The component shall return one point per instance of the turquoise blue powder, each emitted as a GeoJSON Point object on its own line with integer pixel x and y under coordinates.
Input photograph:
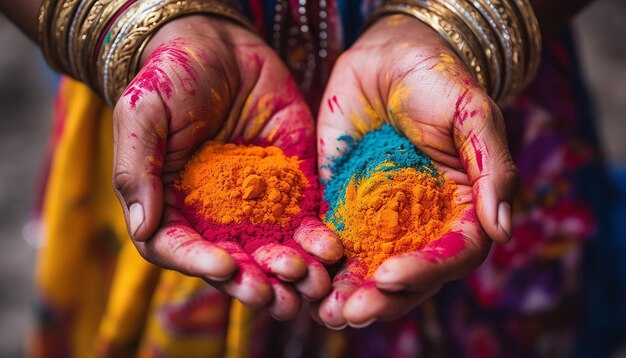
{"type": "Point", "coordinates": [379, 151]}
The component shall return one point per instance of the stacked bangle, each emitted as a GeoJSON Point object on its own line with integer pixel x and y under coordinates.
{"type": "Point", "coordinates": [498, 40]}
{"type": "Point", "coordinates": [100, 41]}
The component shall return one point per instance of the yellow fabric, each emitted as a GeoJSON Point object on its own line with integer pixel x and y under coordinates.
{"type": "Point", "coordinates": [105, 298]}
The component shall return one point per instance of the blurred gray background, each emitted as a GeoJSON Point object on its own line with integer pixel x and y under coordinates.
{"type": "Point", "coordinates": [26, 99]}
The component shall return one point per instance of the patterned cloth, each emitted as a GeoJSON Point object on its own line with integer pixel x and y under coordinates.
{"type": "Point", "coordinates": [98, 297]}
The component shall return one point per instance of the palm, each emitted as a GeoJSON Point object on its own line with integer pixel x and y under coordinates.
{"type": "Point", "coordinates": [420, 89]}
{"type": "Point", "coordinates": [245, 94]}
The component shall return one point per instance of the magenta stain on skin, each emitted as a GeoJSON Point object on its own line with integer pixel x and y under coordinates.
{"type": "Point", "coordinates": [338, 105]}
{"type": "Point", "coordinates": [175, 233]}
{"type": "Point", "coordinates": [330, 106]}
{"type": "Point", "coordinates": [470, 216]}
{"type": "Point", "coordinates": [460, 111]}
{"type": "Point", "coordinates": [448, 246]}
{"type": "Point", "coordinates": [153, 77]}
{"type": "Point", "coordinates": [477, 151]}
{"type": "Point", "coordinates": [133, 135]}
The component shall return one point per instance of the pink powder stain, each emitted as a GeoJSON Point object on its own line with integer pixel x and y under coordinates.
{"type": "Point", "coordinates": [338, 105]}
{"type": "Point", "coordinates": [330, 106]}
{"type": "Point", "coordinates": [460, 110]}
{"type": "Point", "coordinates": [448, 246]}
{"type": "Point", "coordinates": [153, 77]}
{"type": "Point", "coordinates": [477, 152]}
{"type": "Point", "coordinates": [470, 216]}
{"type": "Point", "coordinates": [176, 233]}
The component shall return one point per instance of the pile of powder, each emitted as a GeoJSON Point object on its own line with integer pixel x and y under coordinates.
{"type": "Point", "coordinates": [386, 198]}
{"type": "Point", "coordinates": [247, 193]}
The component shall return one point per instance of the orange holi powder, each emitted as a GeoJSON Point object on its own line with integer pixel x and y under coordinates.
{"type": "Point", "coordinates": [387, 198]}
{"type": "Point", "coordinates": [231, 184]}
{"type": "Point", "coordinates": [394, 212]}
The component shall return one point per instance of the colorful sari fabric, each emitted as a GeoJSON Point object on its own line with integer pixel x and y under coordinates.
{"type": "Point", "coordinates": [98, 297]}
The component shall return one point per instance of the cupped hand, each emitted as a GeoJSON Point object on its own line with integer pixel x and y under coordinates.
{"type": "Point", "coordinates": [206, 78]}
{"type": "Point", "coordinates": [403, 73]}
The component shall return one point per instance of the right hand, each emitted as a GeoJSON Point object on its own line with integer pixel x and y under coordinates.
{"type": "Point", "coordinates": [207, 78]}
{"type": "Point", "coordinates": [418, 85]}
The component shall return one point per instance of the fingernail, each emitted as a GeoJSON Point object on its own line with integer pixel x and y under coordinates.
{"type": "Point", "coordinates": [136, 217]}
{"type": "Point", "coordinates": [504, 218]}
{"type": "Point", "coordinates": [390, 286]}
{"type": "Point", "coordinates": [219, 279]}
{"type": "Point", "coordinates": [337, 328]}
{"type": "Point", "coordinates": [362, 325]}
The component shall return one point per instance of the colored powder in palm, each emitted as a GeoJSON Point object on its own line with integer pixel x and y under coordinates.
{"type": "Point", "coordinates": [386, 198]}
{"type": "Point", "coordinates": [248, 193]}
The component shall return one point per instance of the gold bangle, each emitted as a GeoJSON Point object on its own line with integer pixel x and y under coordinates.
{"type": "Point", "coordinates": [44, 25]}
{"type": "Point", "coordinates": [109, 38]}
{"type": "Point", "coordinates": [488, 43]}
{"type": "Point", "coordinates": [502, 19]}
{"type": "Point", "coordinates": [532, 36]}
{"type": "Point", "coordinates": [76, 40]}
{"type": "Point", "coordinates": [62, 20]}
{"type": "Point", "coordinates": [498, 40]}
{"type": "Point", "coordinates": [97, 22]}
{"type": "Point", "coordinates": [117, 66]}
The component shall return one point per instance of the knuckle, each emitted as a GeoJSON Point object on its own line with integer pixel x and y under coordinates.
{"type": "Point", "coordinates": [510, 173]}
{"type": "Point", "coordinates": [123, 181]}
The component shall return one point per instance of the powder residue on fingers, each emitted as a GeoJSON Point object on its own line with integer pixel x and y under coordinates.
{"type": "Point", "coordinates": [386, 198]}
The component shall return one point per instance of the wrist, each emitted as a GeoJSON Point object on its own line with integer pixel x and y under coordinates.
{"type": "Point", "coordinates": [218, 30]}
{"type": "Point", "coordinates": [401, 30]}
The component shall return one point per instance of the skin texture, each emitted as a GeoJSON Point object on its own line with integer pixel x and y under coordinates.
{"type": "Point", "coordinates": [418, 85]}
{"type": "Point", "coordinates": [206, 78]}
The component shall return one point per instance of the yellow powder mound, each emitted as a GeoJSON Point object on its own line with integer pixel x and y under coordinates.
{"type": "Point", "coordinates": [235, 183]}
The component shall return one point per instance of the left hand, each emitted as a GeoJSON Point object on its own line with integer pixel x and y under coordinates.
{"type": "Point", "coordinates": [402, 72]}
{"type": "Point", "coordinates": [207, 78]}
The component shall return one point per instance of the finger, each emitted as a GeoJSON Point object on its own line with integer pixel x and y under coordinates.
{"type": "Point", "coordinates": [347, 280]}
{"type": "Point", "coordinates": [316, 284]}
{"type": "Point", "coordinates": [139, 146]}
{"type": "Point", "coordinates": [368, 304]}
{"type": "Point", "coordinates": [250, 285]}
{"type": "Point", "coordinates": [280, 260]}
{"type": "Point", "coordinates": [178, 247]}
{"type": "Point", "coordinates": [318, 240]}
{"type": "Point", "coordinates": [449, 258]}
{"type": "Point", "coordinates": [485, 155]}
{"type": "Point", "coordinates": [286, 303]}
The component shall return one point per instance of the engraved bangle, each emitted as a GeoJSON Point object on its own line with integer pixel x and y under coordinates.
{"type": "Point", "coordinates": [95, 35]}
{"type": "Point", "coordinates": [532, 37]}
{"type": "Point", "coordinates": [501, 18]}
{"type": "Point", "coordinates": [487, 39]}
{"type": "Point", "coordinates": [44, 25]}
{"type": "Point", "coordinates": [117, 67]}
{"type": "Point", "coordinates": [76, 42]}
{"type": "Point", "coordinates": [62, 21]}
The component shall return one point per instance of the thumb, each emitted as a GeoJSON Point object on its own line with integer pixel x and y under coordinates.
{"type": "Point", "coordinates": [140, 134]}
{"type": "Point", "coordinates": [480, 136]}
